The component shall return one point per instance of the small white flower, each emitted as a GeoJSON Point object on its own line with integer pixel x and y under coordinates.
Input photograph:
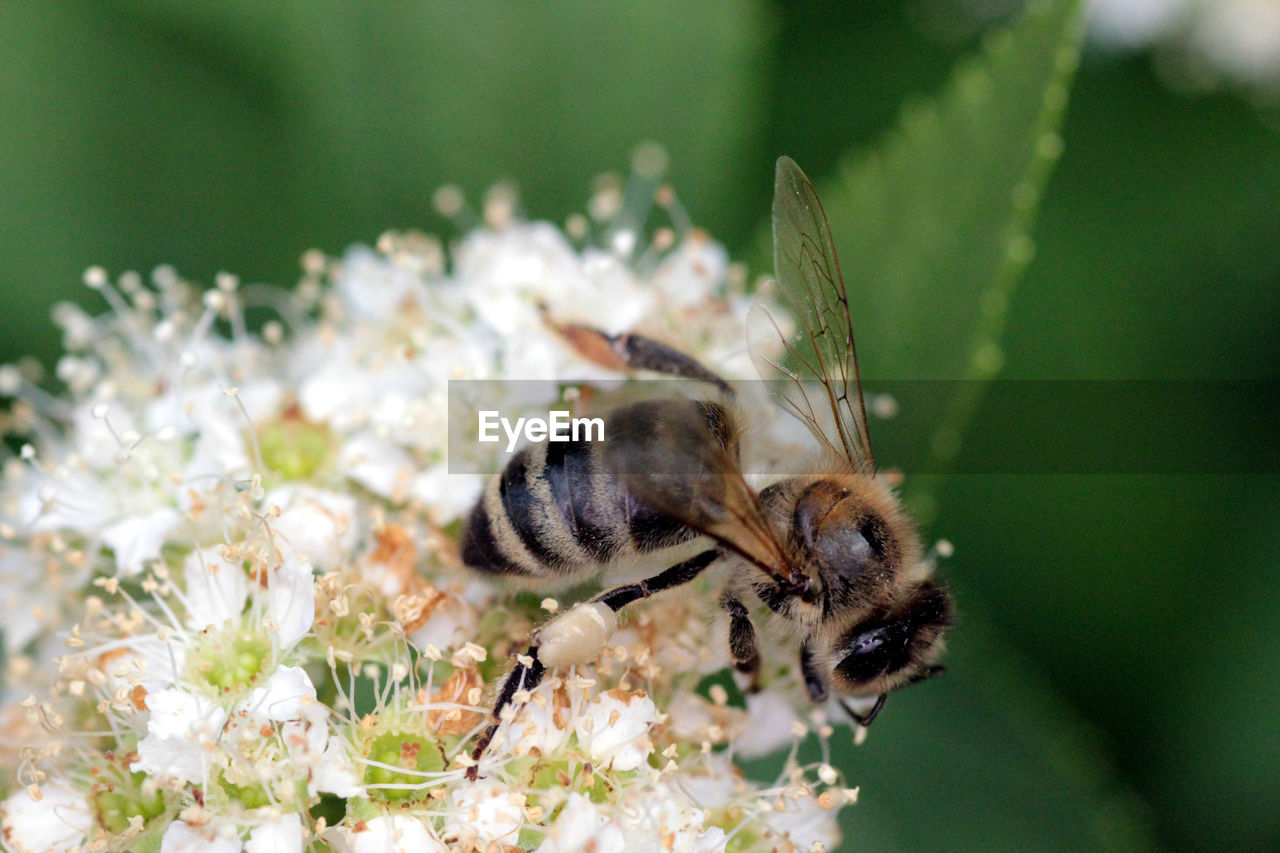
{"type": "Point", "coordinates": [74, 500]}
{"type": "Point", "coordinates": [318, 525]}
{"type": "Point", "coordinates": [617, 301]}
{"type": "Point", "coordinates": [147, 662]}
{"type": "Point", "coordinates": [281, 698]}
{"type": "Point", "coordinates": [711, 786]}
{"type": "Point", "coordinates": [215, 588]}
{"type": "Point", "coordinates": [394, 834]}
{"type": "Point", "coordinates": [485, 811]}
{"type": "Point", "coordinates": [1135, 22]}
{"type": "Point", "coordinates": [581, 826]}
{"type": "Point", "coordinates": [507, 272]}
{"type": "Point", "coordinates": [664, 820]}
{"type": "Point", "coordinates": [448, 627]}
{"type": "Point", "coordinates": [181, 837]}
{"type": "Point", "coordinates": [1211, 40]}
{"type": "Point", "coordinates": [540, 728]}
{"type": "Point", "coordinates": [331, 390]}
{"type": "Point", "coordinates": [690, 717]}
{"type": "Point", "coordinates": [614, 729]}
{"type": "Point", "coordinates": [379, 465]}
{"type": "Point", "coordinates": [97, 425]}
{"type": "Point", "coordinates": [181, 734]}
{"type": "Point", "coordinates": [137, 539]}
{"type": "Point", "coordinates": [217, 424]}
{"type": "Point", "coordinates": [450, 495]}
{"type": "Point", "coordinates": [291, 600]}
{"type": "Point", "coordinates": [58, 821]}
{"type": "Point", "coordinates": [373, 288]}
{"type": "Point", "coordinates": [696, 258]}
{"type": "Point", "coordinates": [804, 821]}
{"type": "Point", "coordinates": [320, 754]}
{"type": "Point", "coordinates": [283, 835]}
{"type": "Point", "coordinates": [25, 610]}
{"type": "Point", "coordinates": [769, 725]}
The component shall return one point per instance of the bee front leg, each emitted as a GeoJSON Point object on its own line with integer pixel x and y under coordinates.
{"type": "Point", "coordinates": [869, 717]}
{"type": "Point", "coordinates": [813, 679]}
{"type": "Point", "coordinates": [629, 351]}
{"type": "Point", "coordinates": [742, 641]}
{"type": "Point", "coordinates": [818, 690]}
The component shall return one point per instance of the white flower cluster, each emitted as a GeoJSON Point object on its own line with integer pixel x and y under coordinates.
{"type": "Point", "coordinates": [1202, 42]}
{"type": "Point", "coordinates": [234, 613]}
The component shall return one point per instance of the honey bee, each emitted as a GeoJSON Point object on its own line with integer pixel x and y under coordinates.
{"type": "Point", "coordinates": [831, 554]}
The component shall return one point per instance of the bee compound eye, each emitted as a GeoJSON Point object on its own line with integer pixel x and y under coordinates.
{"type": "Point", "coordinates": [844, 550]}
{"type": "Point", "coordinates": [870, 653]}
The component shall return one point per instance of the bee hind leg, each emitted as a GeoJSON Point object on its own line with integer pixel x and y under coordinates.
{"type": "Point", "coordinates": [679, 574]}
{"type": "Point", "coordinates": [523, 677]}
{"type": "Point", "coordinates": [629, 351]}
{"type": "Point", "coordinates": [527, 676]}
{"type": "Point", "coordinates": [743, 646]}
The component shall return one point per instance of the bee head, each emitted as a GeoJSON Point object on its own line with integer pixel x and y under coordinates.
{"type": "Point", "coordinates": [856, 538]}
{"type": "Point", "coordinates": [894, 648]}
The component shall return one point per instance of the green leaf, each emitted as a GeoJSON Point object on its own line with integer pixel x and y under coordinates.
{"type": "Point", "coordinates": [933, 230]}
{"type": "Point", "coordinates": [932, 225]}
{"type": "Point", "coordinates": [934, 222]}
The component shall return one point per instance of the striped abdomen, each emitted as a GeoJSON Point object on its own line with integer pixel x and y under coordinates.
{"type": "Point", "coordinates": [559, 510]}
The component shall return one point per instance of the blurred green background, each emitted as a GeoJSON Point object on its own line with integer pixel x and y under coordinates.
{"type": "Point", "coordinates": [1113, 681]}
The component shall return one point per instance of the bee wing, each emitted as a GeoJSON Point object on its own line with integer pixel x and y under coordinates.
{"type": "Point", "coordinates": [814, 375]}
{"type": "Point", "coordinates": [677, 458]}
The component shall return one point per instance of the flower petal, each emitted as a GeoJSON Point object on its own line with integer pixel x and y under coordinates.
{"type": "Point", "coordinates": [283, 835]}
{"type": "Point", "coordinates": [181, 837]}
{"type": "Point", "coordinates": [180, 733]}
{"type": "Point", "coordinates": [291, 600]}
{"type": "Point", "coordinates": [484, 812]}
{"type": "Point", "coordinates": [56, 822]}
{"type": "Point", "coordinates": [215, 588]}
{"type": "Point", "coordinates": [378, 465]}
{"type": "Point", "coordinates": [614, 729]}
{"type": "Point", "coordinates": [282, 696]}
{"type": "Point", "coordinates": [582, 826]}
{"type": "Point", "coordinates": [318, 525]}
{"type": "Point", "coordinates": [394, 834]}
{"type": "Point", "coordinates": [137, 539]}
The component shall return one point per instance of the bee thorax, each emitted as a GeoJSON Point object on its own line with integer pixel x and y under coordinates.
{"type": "Point", "coordinates": [577, 636]}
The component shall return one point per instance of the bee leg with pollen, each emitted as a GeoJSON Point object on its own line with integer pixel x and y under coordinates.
{"type": "Point", "coordinates": [679, 574]}
{"type": "Point", "coordinates": [742, 641]}
{"type": "Point", "coordinates": [577, 636]}
{"type": "Point", "coordinates": [629, 351]}
{"type": "Point", "coordinates": [525, 676]}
